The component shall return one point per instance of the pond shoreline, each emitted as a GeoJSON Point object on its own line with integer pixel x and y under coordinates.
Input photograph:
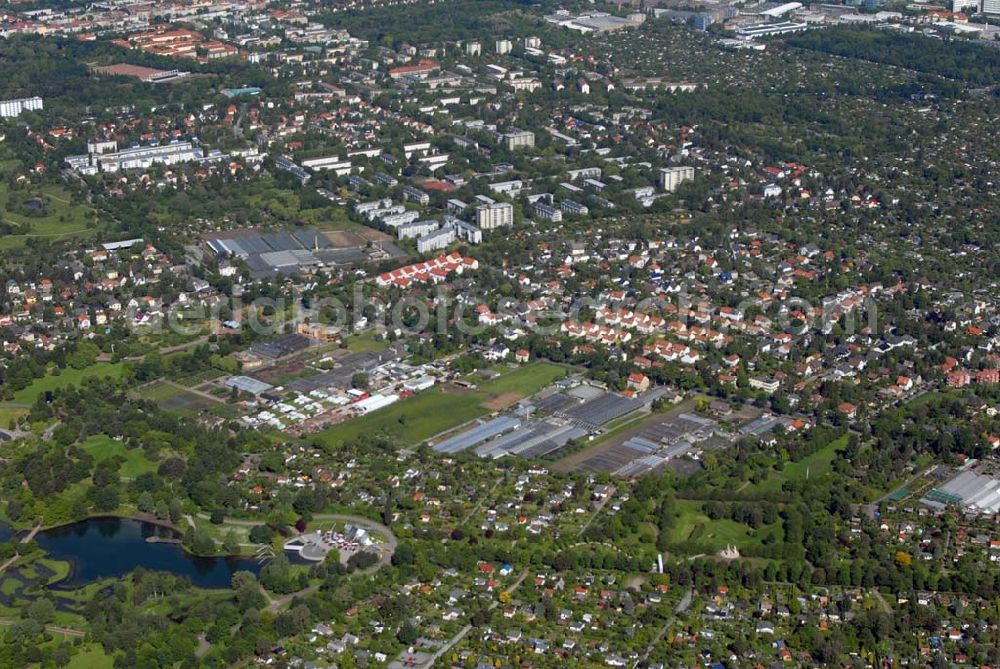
{"type": "Point", "coordinates": [112, 545]}
{"type": "Point", "coordinates": [18, 531]}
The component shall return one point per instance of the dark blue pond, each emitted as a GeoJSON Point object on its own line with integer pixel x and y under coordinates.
{"type": "Point", "coordinates": [99, 548]}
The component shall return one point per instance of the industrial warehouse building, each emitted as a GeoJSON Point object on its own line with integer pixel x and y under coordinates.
{"type": "Point", "coordinates": [978, 493]}
{"type": "Point", "coordinates": [246, 384]}
{"type": "Point", "coordinates": [302, 251]}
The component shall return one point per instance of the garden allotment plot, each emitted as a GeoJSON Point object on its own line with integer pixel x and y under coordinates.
{"type": "Point", "coordinates": [171, 398]}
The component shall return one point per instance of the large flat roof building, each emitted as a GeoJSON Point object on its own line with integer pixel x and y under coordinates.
{"type": "Point", "coordinates": [141, 157]}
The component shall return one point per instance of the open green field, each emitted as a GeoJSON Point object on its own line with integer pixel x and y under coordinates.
{"type": "Point", "coordinates": [91, 656]}
{"type": "Point", "coordinates": [9, 413]}
{"type": "Point", "coordinates": [62, 218]}
{"type": "Point", "coordinates": [101, 447]}
{"type": "Point", "coordinates": [66, 377]}
{"type": "Point", "coordinates": [364, 342]}
{"type": "Point", "coordinates": [157, 392]}
{"type": "Point", "coordinates": [693, 525]}
{"type": "Point", "coordinates": [443, 407]}
{"type": "Point", "coordinates": [524, 381]}
{"type": "Point", "coordinates": [815, 467]}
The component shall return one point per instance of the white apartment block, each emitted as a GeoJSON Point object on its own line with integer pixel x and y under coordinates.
{"type": "Point", "coordinates": [329, 163]}
{"type": "Point", "coordinates": [13, 108]}
{"type": "Point", "coordinates": [515, 139]}
{"type": "Point", "coordinates": [436, 240]}
{"type": "Point", "coordinates": [549, 213]}
{"type": "Point", "coordinates": [140, 158]}
{"type": "Point", "coordinates": [464, 231]}
{"type": "Point", "coordinates": [416, 229]}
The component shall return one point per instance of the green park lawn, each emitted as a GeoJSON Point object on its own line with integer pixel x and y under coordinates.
{"type": "Point", "coordinates": [101, 447]}
{"type": "Point", "coordinates": [441, 408]}
{"type": "Point", "coordinates": [693, 525]}
{"type": "Point", "coordinates": [364, 342]}
{"type": "Point", "coordinates": [66, 377]}
{"type": "Point", "coordinates": [62, 218]}
{"type": "Point", "coordinates": [92, 656]}
{"type": "Point", "coordinates": [9, 413]}
{"type": "Point", "coordinates": [158, 392]}
{"type": "Point", "coordinates": [815, 467]}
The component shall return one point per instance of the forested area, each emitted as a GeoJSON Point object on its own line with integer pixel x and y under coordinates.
{"type": "Point", "coordinates": [59, 70]}
{"type": "Point", "coordinates": [955, 59]}
{"type": "Point", "coordinates": [436, 22]}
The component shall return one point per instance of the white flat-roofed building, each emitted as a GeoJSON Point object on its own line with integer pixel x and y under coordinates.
{"type": "Point", "coordinates": [571, 207]}
{"type": "Point", "coordinates": [415, 195]}
{"type": "Point", "coordinates": [391, 210]}
{"type": "Point", "coordinates": [507, 187]}
{"type": "Point", "coordinates": [516, 139]}
{"type": "Point", "coordinates": [765, 29]}
{"type": "Point", "coordinates": [435, 241]}
{"type": "Point", "coordinates": [330, 163]}
{"type": "Point", "coordinates": [13, 108]}
{"type": "Point", "coordinates": [365, 207]}
{"type": "Point", "coordinates": [528, 84]}
{"type": "Point", "coordinates": [463, 230]}
{"type": "Point", "coordinates": [423, 148]}
{"type": "Point", "coordinates": [141, 158]}
{"type": "Point", "coordinates": [545, 211]}
{"type": "Point", "coordinates": [781, 10]}
{"type": "Point", "coordinates": [396, 220]}
{"type": "Point", "coordinates": [584, 173]}
{"type": "Point", "coordinates": [435, 161]}
{"type": "Point", "coordinates": [102, 146]}
{"type": "Point", "coordinates": [416, 229]}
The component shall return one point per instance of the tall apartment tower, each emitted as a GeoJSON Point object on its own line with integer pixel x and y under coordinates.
{"type": "Point", "coordinates": [496, 215]}
{"type": "Point", "coordinates": [672, 177]}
